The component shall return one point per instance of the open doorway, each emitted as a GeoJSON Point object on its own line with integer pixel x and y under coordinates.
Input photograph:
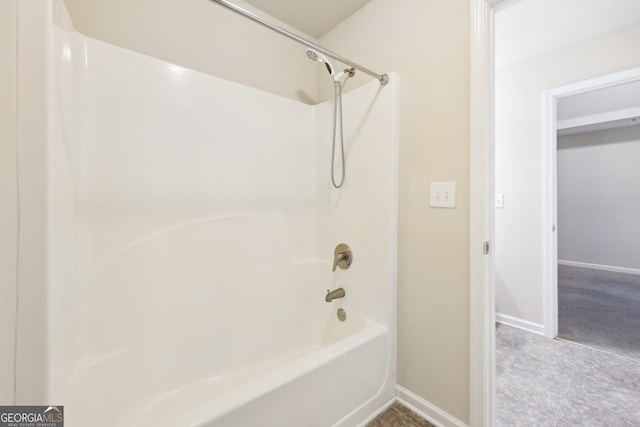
{"type": "Point", "coordinates": [595, 202]}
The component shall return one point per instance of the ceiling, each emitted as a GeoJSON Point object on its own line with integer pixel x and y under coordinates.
{"type": "Point", "coordinates": [531, 28]}
{"type": "Point", "coordinates": [312, 17]}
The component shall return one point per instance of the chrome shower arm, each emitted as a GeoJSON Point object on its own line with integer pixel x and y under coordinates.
{"type": "Point", "coordinates": [383, 78]}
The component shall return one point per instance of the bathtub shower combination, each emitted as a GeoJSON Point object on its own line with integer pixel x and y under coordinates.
{"type": "Point", "coordinates": [191, 233]}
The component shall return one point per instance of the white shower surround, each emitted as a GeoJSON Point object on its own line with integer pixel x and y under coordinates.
{"type": "Point", "coordinates": [191, 226]}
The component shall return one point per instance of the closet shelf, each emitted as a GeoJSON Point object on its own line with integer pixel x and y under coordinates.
{"type": "Point", "coordinates": [601, 121]}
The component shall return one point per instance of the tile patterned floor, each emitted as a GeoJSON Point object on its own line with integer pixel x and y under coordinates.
{"type": "Point", "coordinates": [545, 382]}
{"type": "Point", "coordinates": [399, 416]}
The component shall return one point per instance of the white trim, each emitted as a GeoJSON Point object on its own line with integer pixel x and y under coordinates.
{"type": "Point", "coordinates": [600, 267]}
{"type": "Point", "coordinates": [549, 190]}
{"type": "Point", "coordinates": [613, 79]}
{"type": "Point", "coordinates": [515, 322]}
{"type": "Point", "coordinates": [426, 409]}
{"type": "Point", "coordinates": [549, 217]}
{"type": "Point", "coordinates": [481, 226]}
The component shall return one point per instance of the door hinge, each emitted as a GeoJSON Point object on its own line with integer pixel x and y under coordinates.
{"type": "Point", "coordinates": [486, 248]}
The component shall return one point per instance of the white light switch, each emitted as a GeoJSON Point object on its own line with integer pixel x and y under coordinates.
{"type": "Point", "coordinates": [443, 195]}
{"type": "Point", "coordinates": [500, 201]}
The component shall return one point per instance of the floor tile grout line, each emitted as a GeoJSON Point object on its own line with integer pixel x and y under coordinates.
{"type": "Point", "coordinates": [566, 392]}
{"type": "Point", "coordinates": [514, 355]}
{"type": "Point", "coordinates": [587, 362]}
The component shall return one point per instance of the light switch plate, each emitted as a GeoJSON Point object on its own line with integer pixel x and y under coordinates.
{"type": "Point", "coordinates": [500, 201]}
{"type": "Point", "coordinates": [443, 195]}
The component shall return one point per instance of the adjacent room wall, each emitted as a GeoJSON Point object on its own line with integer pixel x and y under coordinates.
{"type": "Point", "coordinates": [519, 136]}
{"type": "Point", "coordinates": [8, 195]}
{"type": "Point", "coordinates": [599, 197]}
{"type": "Point", "coordinates": [203, 36]}
{"type": "Point", "coordinates": [427, 43]}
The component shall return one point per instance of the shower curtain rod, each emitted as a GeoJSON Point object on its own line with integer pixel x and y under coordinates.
{"type": "Point", "coordinates": [383, 78]}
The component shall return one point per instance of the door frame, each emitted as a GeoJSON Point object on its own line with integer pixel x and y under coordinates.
{"type": "Point", "coordinates": [550, 184]}
{"type": "Point", "coordinates": [481, 227]}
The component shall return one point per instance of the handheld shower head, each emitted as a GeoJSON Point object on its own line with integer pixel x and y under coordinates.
{"type": "Point", "coordinates": [317, 56]}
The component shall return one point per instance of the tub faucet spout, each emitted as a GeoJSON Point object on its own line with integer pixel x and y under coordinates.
{"type": "Point", "coordinates": [331, 295]}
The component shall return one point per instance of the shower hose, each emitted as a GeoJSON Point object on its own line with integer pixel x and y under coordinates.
{"type": "Point", "coordinates": [337, 102]}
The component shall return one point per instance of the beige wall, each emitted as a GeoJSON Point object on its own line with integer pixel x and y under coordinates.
{"type": "Point", "coordinates": [427, 43]}
{"type": "Point", "coordinates": [203, 36]}
{"type": "Point", "coordinates": [8, 198]}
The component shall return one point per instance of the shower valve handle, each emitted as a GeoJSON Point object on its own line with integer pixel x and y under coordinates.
{"type": "Point", "coordinates": [342, 257]}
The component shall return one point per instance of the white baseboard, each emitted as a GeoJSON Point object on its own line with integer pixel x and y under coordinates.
{"type": "Point", "coordinates": [536, 328]}
{"type": "Point", "coordinates": [426, 409]}
{"type": "Point", "coordinates": [599, 267]}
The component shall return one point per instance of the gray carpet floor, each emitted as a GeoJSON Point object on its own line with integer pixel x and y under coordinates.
{"type": "Point", "coordinates": [600, 309]}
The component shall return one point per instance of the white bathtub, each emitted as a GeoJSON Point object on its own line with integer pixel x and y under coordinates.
{"type": "Point", "coordinates": [262, 349]}
{"type": "Point", "coordinates": [303, 387]}
{"type": "Point", "coordinates": [323, 373]}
